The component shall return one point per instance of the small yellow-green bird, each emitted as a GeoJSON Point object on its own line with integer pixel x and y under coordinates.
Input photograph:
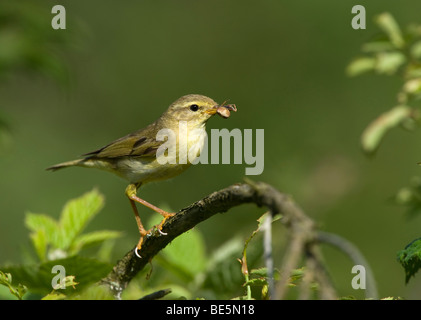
{"type": "Point", "coordinates": [135, 158]}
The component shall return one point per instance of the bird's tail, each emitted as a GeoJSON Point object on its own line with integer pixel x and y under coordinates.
{"type": "Point", "coordinates": [78, 162]}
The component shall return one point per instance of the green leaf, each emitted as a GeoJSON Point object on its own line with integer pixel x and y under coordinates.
{"type": "Point", "coordinates": [259, 272]}
{"type": "Point", "coordinates": [38, 278]}
{"type": "Point", "coordinates": [6, 280]}
{"type": "Point", "coordinates": [65, 282]}
{"type": "Point", "coordinates": [39, 240]}
{"type": "Point", "coordinates": [360, 65]}
{"type": "Point", "coordinates": [104, 252]}
{"type": "Point", "coordinates": [92, 238]}
{"type": "Point", "coordinates": [95, 292]}
{"type": "Point", "coordinates": [45, 231]}
{"type": "Point", "coordinates": [374, 133]}
{"type": "Point", "coordinates": [222, 272]}
{"type": "Point", "coordinates": [76, 214]}
{"type": "Point", "coordinates": [186, 254]}
{"type": "Point", "coordinates": [413, 86]}
{"type": "Point", "coordinates": [410, 258]}
{"type": "Point", "coordinates": [256, 282]}
{"type": "Point", "coordinates": [377, 46]}
{"type": "Point", "coordinates": [55, 240]}
{"type": "Point", "coordinates": [390, 27]}
{"type": "Point", "coordinates": [296, 276]}
{"type": "Point", "coordinates": [389, 62]}
{"type": "Point", "coordinates": [36, 222]}
{"type": "Point", "coordinates": [54, 295]}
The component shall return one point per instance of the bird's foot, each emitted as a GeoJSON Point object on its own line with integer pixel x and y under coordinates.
{"type": "Point", "coordinates": [159, 226]}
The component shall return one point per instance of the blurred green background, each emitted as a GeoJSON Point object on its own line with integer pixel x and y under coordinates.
{"type": "Point", "coordinates": [119, 65]}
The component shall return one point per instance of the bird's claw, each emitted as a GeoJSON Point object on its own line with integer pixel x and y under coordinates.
{"type": "Point", "coordinates": [159, 226]}
{"type": "Point", "coordinates": [136, 253]}
{"type": "Point", "coordinates": [160, 231]}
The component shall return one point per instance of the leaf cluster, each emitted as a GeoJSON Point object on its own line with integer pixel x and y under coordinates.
{"type": "Point", "coordinates": [396, 51]}
{"type": "Point", "coordinates": [59, 243]}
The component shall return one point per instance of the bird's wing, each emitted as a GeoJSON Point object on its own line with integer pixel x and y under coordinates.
{"type": "Point", "coordinates": [140, 143]}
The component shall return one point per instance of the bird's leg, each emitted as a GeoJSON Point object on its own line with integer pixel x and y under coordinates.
{"type": "Point", "coordinates": [131, 192]}
{"type": "Point", "coordinates": [142, 230]}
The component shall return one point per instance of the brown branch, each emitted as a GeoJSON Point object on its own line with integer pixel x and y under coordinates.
{"type": "Point", "coordinates": [259, 193]}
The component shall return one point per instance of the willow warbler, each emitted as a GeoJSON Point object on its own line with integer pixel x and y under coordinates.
{"type": "Point", "coordinates": [136, 158]}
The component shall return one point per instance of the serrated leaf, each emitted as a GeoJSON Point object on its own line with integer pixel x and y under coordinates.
{"type": "Point", "coordinates": [410, 258]}
{"type": "Point", "coordinates": [76, 214]}
{"type": "Point", "coordinates": [222, 267]}
{"type": "Point", "coordinates": [297, 274]}
{"type": "Point", "coordinates": [374, 133]}
{"type": "Point", "coordinates": [256, 282]}
{"type": "Point", "coordinates": [45, 231]}
{"type": "Point", "coordinates": [259, 272]}
{"type": "Point", "coordinates": [37, 221]}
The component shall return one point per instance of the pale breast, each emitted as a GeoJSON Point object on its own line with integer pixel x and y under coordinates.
{"type": "Point", "coordinates": [139, 169]}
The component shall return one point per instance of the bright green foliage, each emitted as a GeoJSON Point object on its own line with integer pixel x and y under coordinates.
{"type": "Point", "coordinates": [64, 283]}
{"type": "Point", "coordinates": [38, 278]}
{"type": "Point", "coordinates": [392, 52]}
{"type": "Point", "coordinates": [58, 243]}
{"type": "Point", "coordinates": [192, 272]}
{"type": "Point", "coordinates": [261, 280]}
{"type": "Point", "coordinates": [185, 265]}
{"type": "Point", "coordinates": [6, 280]}
{"type": "Point", "coordinates": [396, 51]}
{"type": "Point", "coordinates": [374, 133]}
{"type": "Point", "coordinates": [186, 255]}
{"type": "Point", "coordinates": [410, 258]}
{"type": "Point", "coordinates": [57, 239]}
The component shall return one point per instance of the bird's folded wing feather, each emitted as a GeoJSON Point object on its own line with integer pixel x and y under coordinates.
{"type": "Point", "coordinates": [138, 144]}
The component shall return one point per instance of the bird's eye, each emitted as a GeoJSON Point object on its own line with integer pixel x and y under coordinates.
{"type": "Point", "coordinates": [194, 107]}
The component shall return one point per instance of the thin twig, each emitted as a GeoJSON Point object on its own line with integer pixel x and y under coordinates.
{"type": "Point", "coordinates": [355, 255]}
{"type": "Point", "coordinates": [315, 263]}
{"type": "Point", "coordinates": [156, 295]}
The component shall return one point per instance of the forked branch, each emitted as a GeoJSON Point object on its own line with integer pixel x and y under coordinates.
{"type": "Point", "coordinates": [302, 232]}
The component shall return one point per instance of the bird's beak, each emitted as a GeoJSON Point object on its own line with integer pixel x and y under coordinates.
{"type": "Point", "coordinates": [212, 111]}
{"type": "Point", "coordinates": [222, 110]}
